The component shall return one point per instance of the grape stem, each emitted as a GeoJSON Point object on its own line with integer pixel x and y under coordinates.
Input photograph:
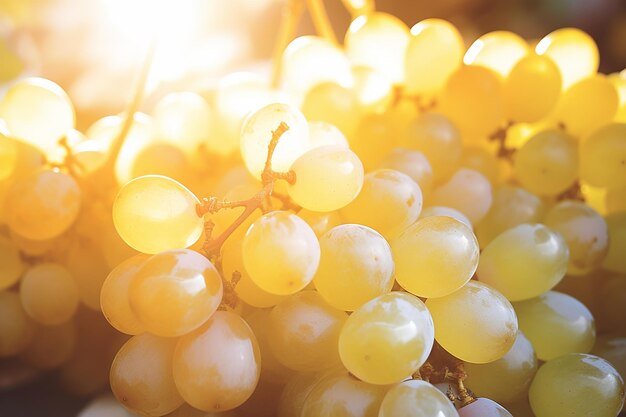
{"type": "Point", "coordinates": [288, 25]}
{"type": "Point", "coordinates": [499, 136]}
{"type": "Point", "coordinates": [321, 20]}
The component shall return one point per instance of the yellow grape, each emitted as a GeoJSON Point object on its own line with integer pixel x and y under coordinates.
{"type": "Point", "coordinates": [435, 136]}
{"type": "Point", "coordinates": [174, 292]}
{"type": "Point", "coordinates": [114, 296]}
{"type": "Point", "coordinates": [8, 156]}
{"type": "Point", "coordinates": [16, 328]}
{"type": "Point", "coordinates": [375, 136]}
{"type": "Point", "coordinates": [37, 111]}
{"type": "Point", "coordinates": [51, 346]}
{"type": "Point", "coordinates": [160, 158]}
{"type": "Point", "coordinates": [323, 133]}
{"type": "Point", "coordinates": [217, 367]}
{"type": "Point", "coordinates": [378, 40]}
{"type": "Point", "coordinates": [389, 202]}
{"type": "Point", "coordinates": [481, 160]}
{"type": "Point", "coordinates": [416, 398]}
{"type": "Point", "coordinates": [439, 43]}
{"type": "Point", "coordinates": [387, 339]}
{"type": "Point", "coordinates": [484, 407]}
{"type": "Point", "coordinates": [577, 385]}
{"type": "Point", "coordinates": [155, 213]}
{"type": "Point", "coordinates": [320, 222]}
{"type": "Point", "coordinates": [435, 256]}
{"type": "Point", "coordinates": [612, 349]}
{"type": "Point", "coordinates": [374, 91]}
{"type": "Point", "coordinates": [304, 330]}
{"type": "Point", "coordinates": [332, 103]}
{"type": "Point", "coordinates": [141, 376]}
{"type": "Point", "coordinates": [281, 253]}
{"type": "Point", "coordinates": [573, 51]}
{"type": "Point", "coordinates": [412, 163]}
{"type": "Point", "coordinates": [42, 205]}
{"type": "Point", "coordinates": [532, 88]}
{"type": "Point", "coordinates": [499, 51]}
{"type": "Point", "coordinates": [89, 268]}
{"type": "Point", "coordinates": [615, 260]}
{"type": "Point", "coordinates": [91, 155]}
{"type": "Point", "coordinates": [49, 294]}
{"type": "Point", "coordinates": [603, 156]}
{"type": "Point", "coordinates": [356, 265]}
{"type": "Point", "coordinates": [447, 212]}
{"type": "Point", "coordinates": [467, 191]}
{"type": "Point", "coordinates": [524, 261]}
{"type": "Point", "coordinates": [327, 178]}
{"type": "Point", "coordinates": [12, 266]}
{"type": "Point", "coordinates": [476, 323]}
{"type": "Point", "coordinates": [256, 134]}
{"type": "Point", "coordinates": [517, 367]}
{"type": "Point", "coordinates": [12, 66]}
{"type": "Point", "coordinates": [548, 163]}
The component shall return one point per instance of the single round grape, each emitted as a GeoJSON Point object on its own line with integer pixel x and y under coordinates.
{"type": "Point", "coordinates": [154, 213]}
{"type": "Point", "coordinates": [499, 51]}
{"type": "Point", "coordinates": [85, 261]}
{"type": "Point", "coordinates": [524, 261]}
{"type": "Point", "coordinates": [324, 133]}
{"type": "Point", "coordinates": [281, 253]}
{"type": "Point", "coordinates": [141, 376]}
{"type": "Point", "coordinates": [577, 385]}
{"type": "Point", "coordinates": [114, 296]}
{"type": "Point", "coordinates": [476, 324]}
{"type": "Point", "coordinates": [332, 103]}
{"type": "Point", "coordinates": [416, 398]}
{"type": "Point", "coordinates": [390, 192]}
{"type": "Point", "coordinates": [612, 349]}
{"type": "Point", "coordinates": [484, 407]}
{"type": "Point", "coordinates": [376, 135]}
{"type": "Point", "coordinates": [483, 161]}
{"type": "Point", "coordinates": [174, 292]}
{"type": "Point", "coordinates": [16, 327]}
{"type": "Point", "coordinates": [468, 191]}
{"type": "Point", "coordinates": [217, 367]}
{"type": "Point", "coordinates": [51, 346]}
{"type": "Point", "coordinates": [373, 90]}
{"type": "Point", "coordinates": [435, 256]}
{"type": "Point", "coordinates": [42, 205]}
{"type": "Point", "coordinates": [320, 222]}
{"type": "Point", "coordinates": [412, 163]}
{"type": "Point", "coordinates": [49, 294]}
{"type": "Point", "coordinates": [603, 156]}
{"type": "Point", "coordinates": [447, 212]}
{"type": "Point", "coordinates": [327, 178]}
{"type": "Point", "coordinates": [12, 265]}
{"type": "Point", "coordinates": [356, 265]}
{"type": "Point", "coordinates": [556, 324]}
{"type": "Point", "coordinates": [387, 339]}
{"type": "Point", "coordinates": [161, 158]}
{"type": "Point", "coordinates": [517, 367]}
{"type": "Point", "coordinates": [256, 134]}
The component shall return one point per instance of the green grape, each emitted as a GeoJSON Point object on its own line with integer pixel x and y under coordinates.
{"type": "Point", "coordinates": [479, 159]}
{"type": "Point", "coordinates": [12, 265]}
{"type": "Point", "coordinates": [320, 222]}
{"type": "Point", "coordinates": [524, 261]}
{"type": "Point", "coordinates": [51, 346]}
{"type": "Point", "coordinates": [417, 399]}
{"type": "Point", "coordinates": [532, 88]}
{"type": "Point", "coordinates": [174, 292]}
{"type": "Point", "coordinates": [344, 395]}
{"type": "Point", "coordinates": [547, 164]}
{"type": "Point", "coordinates": [332, 103]}
{"type": "Point", "coordinates": [376, 135]}
{"type": "Point", "coordinates": [356, 265]}
{"type": "Point", "coordinates": [323, 133]}
{"type": "Point", "coordinates": [281, 253]}
{"type": "Point", "coordinates": [517, 367]}
{"type": "Point", "coordinates": [577, 385]}
{"type": "Point", "coordinates": [615, 260]}
{"type": "Point", "coordinates": [295, 393]}
{"type": "Point", "coordinates": [114, 296]}
{"type": "Point", "coordinates": [217, 367]}
{"type": "Point", "coordinates": [484, 407]}
{"type": "Point", "coordinates": [498, 51]}
{"type": "Point", "coordinates": [374, 92]}
{"type": "Point", "coordinates": [378, 40]}
{"type": "Point", "coordinates": [467, 191]}
{"type": "Point", "coordinates": [412, 163]}
{"type": "Point", "coordinates": [603, 156]}
{"type": "Point", "coordinates": [585, 232]}
{"type": "Point", "coordinates": [390, 192]}
{"type": "Point", "coordinates": [49, 294]}
{"type": "Point", "coordinates": [327, 178]}
{"type": "Point", "coordinates": [16, 328]}
{"type": "Point", "coordinates": [141, 376]}
{"type": "Point", "coordinates": [155, 213]}
{"type": "Point", "coordinates": [89, 268]}
{"type": "Point", "coordinates": [435, 256]}
{"type": "Point", "coordinates": [612, 349]}
{"type": "Point", "coordinates": [387, 339]}
{"type": "Point", "coordinates": [42, 205]}
{"type": "Point", "coordinates": [476, 323]}
{"type": "Point", "coordinates": [439, 43]}
{"type": "Point", "coordinates": [447, 212]}
{"type": "Point", "coordinates": [256, 134]}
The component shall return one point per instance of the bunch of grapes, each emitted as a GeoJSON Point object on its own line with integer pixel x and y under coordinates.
{"type": "Point", "coordinates": [396, 226]}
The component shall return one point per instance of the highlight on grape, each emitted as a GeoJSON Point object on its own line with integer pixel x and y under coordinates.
{"type": "Point", "coordinates": [390, 223]}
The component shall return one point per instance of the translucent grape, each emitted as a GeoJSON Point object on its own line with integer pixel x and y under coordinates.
{"type": "Point", "coordinates": [416, 398]}
{"type": "Point", "coordinates": [374, 91]}
{"type": "Point", "coordinates": [160, 158]}
{"type": "Point", "coordinates": [476, 323]}
{"type": "Point", "coordinates": [323, 133]}
{"type": "Point", "coordinates": [155, 213]}
{"type": "Point", "coordinates": [375, 136]}
{"type": "Point", "coordinates": [16, 328]}
{"type": "Point", "coordinates": [484, 407]}
{"type": "Point", "coordinates": [12, 266]}
{"type": "Point", "coordinates": [446, 211]}
{"type": "Point", "coordinates": [612, 349]}
{"type": "Point", "coordinates": [499, 51]}
{"type": "Point", "coordinates": [387, 339]}
{"type": "Point", "coordinates": [332, 103]}
{"type": "Point", "coordinates": [51, 346]}
{"type": "Point", "coordinates": [320, 222]}
{"type": "Point", "coordinates": [467, 191]}
{"type": "Point", "coordinates": [412, 163]}
{"type": "Point", "coordinates": [89, 268]}
{"type": "Point", "coordinates": [435, 256]}
{"type": "Point", "coordinates": [603, 156]}
{"type": "Point", "coordinates": [481, 160]}
{"type": "Point", "coordinates": [174, 292]}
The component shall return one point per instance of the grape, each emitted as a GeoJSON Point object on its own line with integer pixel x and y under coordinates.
{"type": "Point", "coordinates": [447, 212]}
{"type": "Point", "coordinates": [376, 135]}
{"type": "Point", "coordinates": [42, 205]}
{"type": "Point", "coordinates": [51, 346]}
{"type": "Point", "coordinates": [160, 158]}
{"type": "Point", "coordinates": [16, 328]}
{"type": "Point", "coordinates": [417, 399]}
{"type": "Point", "coordinates": [603, 156]}
{"type": "Point", "coordinates": [387, 339]}
{"type": "Point", "coordinates": [390, 192]}
{"type": "Point", "coordinates": [105, 405]}
{"type": "Point", "coordinates": [374, 92]}
{"type": "Point", "coordinates": [141, 376]}
{"type": "Point", "coordinates": [154, 213]}
{"type": "Point", "coordinates": [174, 292]}
{"type": "Point", "coordinates": [475, 323]}
{"type": "Point", "coordinates": [327, 178]}
{"type": "Point", "coordinates": [435, 256]}
{"type": "Point", "coordinates": [323, 133]}
{"type": "Point", "coordinates": [49, 294]}
{"type": "Point", "coordinates": [320, 222]}
{"type": "Point", "coordinates": [479, 159]}
{"type": "Point", "coordinates": [356, 266]}
{"type": "Point", "coordinates": [216, 368]}
{"type": "Point", "coordinates": [8, 156]}
{"type": "Point", "coordinates": [12, 265]}
{"type": "Point", "coordinates": [281, 253]}
{"type": "Point", "coordinates": [89, 268]}
{"type": "Point", "coordinates": [468, 191]}
{"type": "Point", "coordinates": [613, 350]}
{"type": "Point", "coordinates": [517, 367]}
{"type": "Point", "coordinates": [577, 385]}
{"type": "Point", "coordinates": [332, 103]}
{"type": "Point", "coordinates": [615, 260]}
{"type": "Point", "coordinates": [499, 51]}
{"type": "Point", "coordinates": [484, 407]}
{"type": "Point", "coordinates": [412, 163]}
